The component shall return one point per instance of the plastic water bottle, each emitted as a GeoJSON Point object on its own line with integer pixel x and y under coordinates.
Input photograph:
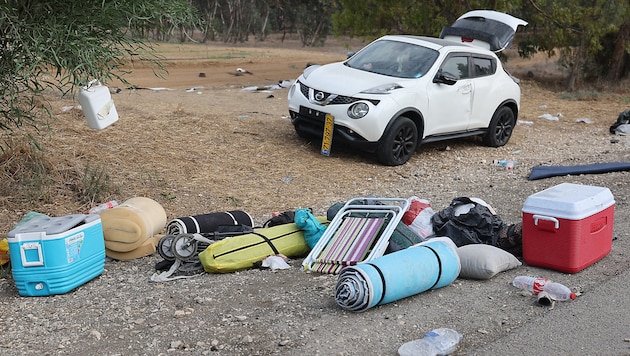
{"type": "Point", "coordinates": [102, 207]}
{"type": "Point", "coordinates": [536, 285]}
{"type": "Point", "coordinates": [442, 341]}
{"type": "Point", "coordinates": [507, 163]}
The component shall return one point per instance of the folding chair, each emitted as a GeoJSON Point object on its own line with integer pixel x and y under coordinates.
{"type": "Point", "coordinates": [359, 232]}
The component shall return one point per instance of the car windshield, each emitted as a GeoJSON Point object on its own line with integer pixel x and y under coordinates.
{"type": "Point", "coordinates": [393, 58]}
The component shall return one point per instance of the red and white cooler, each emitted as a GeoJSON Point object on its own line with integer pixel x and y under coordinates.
{"type": "Point", "coordinates": [568, 227]}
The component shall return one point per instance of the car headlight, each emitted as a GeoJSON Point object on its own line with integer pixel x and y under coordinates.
{"type": "Point", "coordinates": [382, 89]}
{"type": "Point", "coordinates": [358, 110]}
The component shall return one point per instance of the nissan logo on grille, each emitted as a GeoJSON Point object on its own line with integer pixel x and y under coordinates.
{"type": "Point", "coordinates": [319, 96]}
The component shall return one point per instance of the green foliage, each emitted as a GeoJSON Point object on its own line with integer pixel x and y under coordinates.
{"type": "Point", "coordinates": [574, 30]}
{"type": "Point", "coordinates": [62, 45]}
{"type": "Point", "coordinates": [374, 18]}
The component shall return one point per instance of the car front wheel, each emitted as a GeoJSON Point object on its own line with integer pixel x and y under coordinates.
{"type": "Point", "coordinates": [398, 143]}
{"type": "Point", "coordinates": [500, 128]}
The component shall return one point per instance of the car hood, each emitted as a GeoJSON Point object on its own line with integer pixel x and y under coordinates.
{"type": "Point", "coordinates": [340, 79]}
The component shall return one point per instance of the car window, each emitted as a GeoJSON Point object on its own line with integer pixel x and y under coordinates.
{"type": "Point", "coordinates": [483, 66]}
{"type": "Point", "coordinates": [393, 58]}
{"type": "Point", "coordinates": [457, 66]}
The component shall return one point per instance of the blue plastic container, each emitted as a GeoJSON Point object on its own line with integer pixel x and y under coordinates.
{"type": "Point", "coordinates": [55, 255]}
{"type": "Point", "coordinates": [429, 265]}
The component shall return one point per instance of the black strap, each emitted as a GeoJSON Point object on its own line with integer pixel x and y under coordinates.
{"type": "Point", "coordinates": [380, 273]}
{"type": "Point", "coordinates": [267, 240]}
{"type": "Point", "coordinates": [439, 265]}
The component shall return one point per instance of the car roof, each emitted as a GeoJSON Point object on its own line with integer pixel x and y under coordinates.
{"type": "Point", "coordinates": [433, 42]}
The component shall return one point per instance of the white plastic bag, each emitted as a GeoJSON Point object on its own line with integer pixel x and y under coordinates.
{"type": "Point", "coordinates": [418, 217]}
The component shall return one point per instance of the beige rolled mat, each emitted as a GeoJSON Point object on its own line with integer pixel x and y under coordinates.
{"type": "Point", "coordinates": [147, 248]}
{"type": "Point", "coordinates": [128, 225]}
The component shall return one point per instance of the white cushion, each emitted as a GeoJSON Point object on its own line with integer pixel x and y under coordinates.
{"type": "Point", "coordinates": [480, 261]}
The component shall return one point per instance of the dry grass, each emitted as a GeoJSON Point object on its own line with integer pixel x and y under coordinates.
{"type": "Point", "coordinates": [221, 148]}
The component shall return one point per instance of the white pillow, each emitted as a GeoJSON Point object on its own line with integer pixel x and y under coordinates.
{"type": "Point", "coordinates": [480, 261]}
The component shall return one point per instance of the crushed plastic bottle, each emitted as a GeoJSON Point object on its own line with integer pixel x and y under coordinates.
{"type": "Point", "coordinates": [507, 163]}
{"type": "Point", "coordinates": [102, 207]}
{"type": "Point", "coordinates": [437, 342]}
{"type": "Point", "coordinates": [556, 291]}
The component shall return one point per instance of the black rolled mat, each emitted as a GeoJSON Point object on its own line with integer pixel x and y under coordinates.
{"type": "Point", "coordinates": [540, 172]}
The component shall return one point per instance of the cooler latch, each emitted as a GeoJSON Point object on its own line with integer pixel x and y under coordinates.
{"type": "Point", "coordinates": [31, 253]}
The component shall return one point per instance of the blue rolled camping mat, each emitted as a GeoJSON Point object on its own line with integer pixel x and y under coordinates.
{"type": "Point", "coordinates": [208, 222]}
{"type": "Point", "coordinates": [430, 265]}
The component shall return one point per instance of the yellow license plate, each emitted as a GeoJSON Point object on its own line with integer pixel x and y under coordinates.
{"type": "Point", "coordinates": [329, 124]}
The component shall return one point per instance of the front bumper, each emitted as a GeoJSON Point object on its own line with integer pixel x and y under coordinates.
{"type": "Point", "coordinates": [311, 122]}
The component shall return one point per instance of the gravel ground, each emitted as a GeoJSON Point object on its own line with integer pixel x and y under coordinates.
{"type": "Point", "coordinates": [289, 312]}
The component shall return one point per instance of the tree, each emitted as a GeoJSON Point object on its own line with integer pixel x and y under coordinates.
{"type": "Point", "coordinates": [576, 30]}
{"type": "Point", "coordinates": [426, 18]}
{"type": "Point", "coordinates": [61, 45]}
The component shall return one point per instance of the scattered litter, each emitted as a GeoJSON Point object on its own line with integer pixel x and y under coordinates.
{"type": "Point", "coordinates": [202, 75]}
{"type": "Point", "coordinates": [621, 126]}
{"type": "Point", "coordinates": [240, 71]}
{"type": "Point", "coordinates": [190, 90]}
{"type": "Point", "coordinates": [442, 341]}
{"type": "Point", "coordinates": [286, 179]}
{"type": "Point", "coordinates": [584, 120]}
{"type": "Point", "coordinates": [622, 130]}
{"type": "Point", "coordinates": [286, 83]}
{"type": "Point", "coordinates": [70, 107]}
{"type": "Point", "coordinates": [265, 88]}
{"type": "Point", "coordinates": [550, 117]}
{"type": "Point", "coordinates": [542, 107]}
{"type": "Point", "coordinates": [243, 117]}
{"type": "Point", "coordinates": [275, 262]}
{"type": "Point", "coordinates": [156, 89]}
{"type": "Point", "coordinates": [507, 163]}
{"type": "Point", "coordinates": [524, 123]}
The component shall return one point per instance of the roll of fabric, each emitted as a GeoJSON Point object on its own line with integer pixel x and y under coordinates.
{"type": "Point", "coordinates": [198, 224]}
{"type": "Point", "coordinates": [430, 265]}
{"type": "Point", "coordinates": [146, 248]}
{"type": "Point", "coordinates": [243, 251]}
{"type": "Point", "coordinates": [128, 225]}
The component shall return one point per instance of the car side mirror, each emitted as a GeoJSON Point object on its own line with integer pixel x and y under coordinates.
{"type": "Point", "coordinates": [445, 78]}
{"type": "Point", "coordinates": [349, 54]}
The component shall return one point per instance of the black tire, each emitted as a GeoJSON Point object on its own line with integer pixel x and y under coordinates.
{"type": "Point", "coordinates": [398, 143]}
{"type": "Point", "coordinates": [500, 128]}
{"type": "Point", "coordinates": [184, 247]}
{"type": "Point", "coordinates": [164, 247]}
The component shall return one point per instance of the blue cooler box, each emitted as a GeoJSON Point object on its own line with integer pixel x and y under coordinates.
{"type": "Point", "coordinates": [56, 255]}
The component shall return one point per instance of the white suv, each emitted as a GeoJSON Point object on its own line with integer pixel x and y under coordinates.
{"type": "Point", "coordinates": [400, 91]}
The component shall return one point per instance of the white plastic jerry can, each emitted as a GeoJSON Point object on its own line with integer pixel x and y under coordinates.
{"type": "Point", "coordinates": [97, 104]}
